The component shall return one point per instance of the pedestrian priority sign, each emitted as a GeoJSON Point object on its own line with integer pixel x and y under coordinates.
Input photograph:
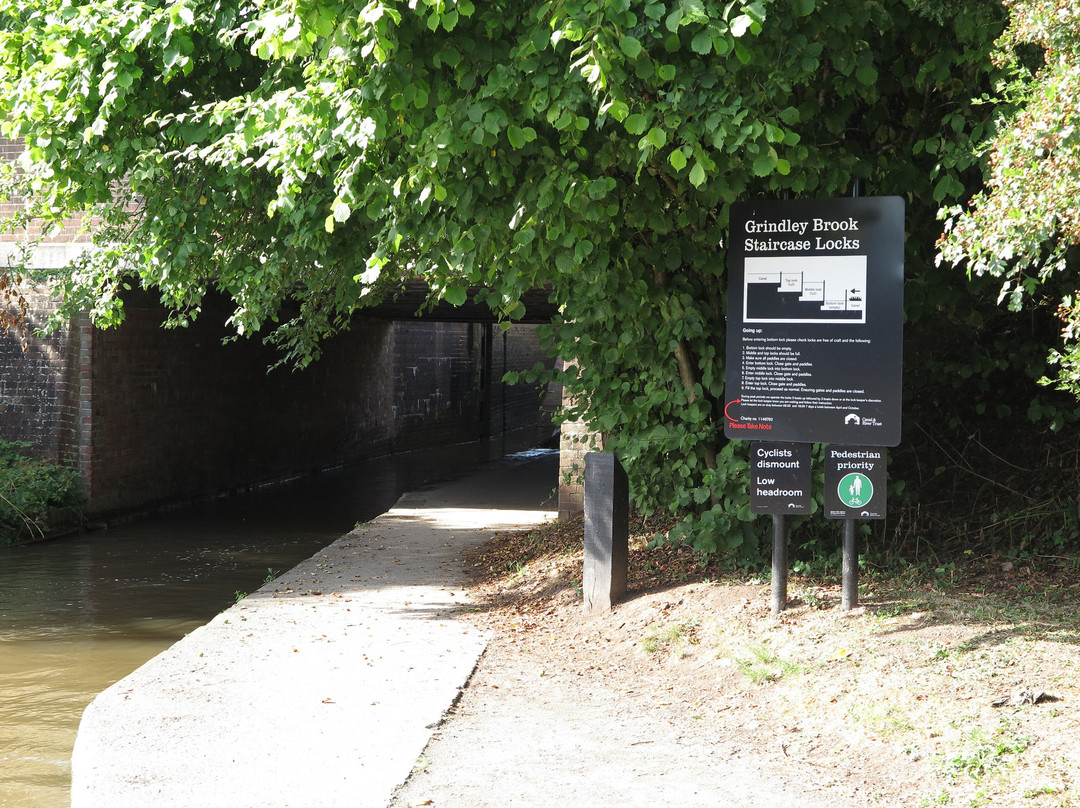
{"type": "Point", "coordinates": [855, 482]}
{"type": "Point", "coordinates": [855, 490]}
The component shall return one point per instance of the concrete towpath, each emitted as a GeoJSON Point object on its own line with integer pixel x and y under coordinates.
{"type": "Point", "coordinates": [322, 688]}
{"type": "Point", "coordinates": [328, 686]}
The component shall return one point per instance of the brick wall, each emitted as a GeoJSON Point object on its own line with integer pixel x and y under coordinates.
{"type": "Point", "coordinates": [435, 395]}
{"type": "Point", "coordinates": [38, 386]}
{"type": "Point", "coordinates": [575, 441]}
{"type": "Point", "coordinates": [512, 410]}
{"type": "Point", "coordinates": [177, 413]}
{"type": "Point", "coordinates": [174, 413]}
{"type": "Point", "coordinates": [153, 415]}
{"type": "Point", "coordinates": [72, 231]}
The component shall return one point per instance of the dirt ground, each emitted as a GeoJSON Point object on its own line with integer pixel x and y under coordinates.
{"type": "Point", "coordinates": [956, 686]}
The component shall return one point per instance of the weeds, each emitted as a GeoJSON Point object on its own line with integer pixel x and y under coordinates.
{"type": "Point", "coordinates": [536, 541]}
{"type": "Point", "coordinates": [898, 608]}
{"type": "Point", "coordinates": [1031, 793]}
{"type": "Point", "coordinates": [30, 490]}
{"type": "Point", "coordinates": [764, 666]}
{"type": "Point", "coordinates": [885, 720]}
{"type": "Point", "coordinates": [271, 576]}
{"type": "Point", "coordinates": [952, 652]}
{"type": "Point", "coordinates": [984, 753]}
{"type": "Point", "coordinates": [674, 638]}
{"type": "Point", "coordinates": [940, 799]}
{"type": "Point", "coordinates": [514, 566]}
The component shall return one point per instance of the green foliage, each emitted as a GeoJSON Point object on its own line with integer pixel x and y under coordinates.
{"type": "Point", "coordinates": [307, 158]}
{"type": "Point", "coordinates": [984, 753]}
{"type": "Point", "coordinates": [764, 666]}
{"type": "Point", "coordinates": [30, 490]}
{"type": "Point", "coordinates": [1022, 228]}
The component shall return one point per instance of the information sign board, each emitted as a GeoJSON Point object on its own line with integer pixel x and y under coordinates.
{"type": "Point", "coordinates": [855, 482]}
{"type": "Point", "coordinates": [780, 478]}
{"type": "Point", "coordinates": [815, 321]}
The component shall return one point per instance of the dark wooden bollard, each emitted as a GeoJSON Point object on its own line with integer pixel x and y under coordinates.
{"type": "Point", "coordinates": [607, 532]}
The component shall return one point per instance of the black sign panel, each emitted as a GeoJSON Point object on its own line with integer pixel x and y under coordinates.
{"type": "Point", "coordinates": [855, 481]}
{"type": "Point", "coordinates": [780, 478]}
{"type": "Point", "coordinates": [815, 321]}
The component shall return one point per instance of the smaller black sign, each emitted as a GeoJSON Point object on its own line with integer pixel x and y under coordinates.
{"type": "Point", "coordinates": [780, 478]}
{"type": "Point", "coordinates": [855, 481]}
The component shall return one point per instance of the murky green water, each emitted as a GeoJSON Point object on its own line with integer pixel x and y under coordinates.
{"type": "Point", "coordinates": [79, 613]}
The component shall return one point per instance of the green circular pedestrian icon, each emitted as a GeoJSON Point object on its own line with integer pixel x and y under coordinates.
{"type": "Point", "coordinates": [855, 490]}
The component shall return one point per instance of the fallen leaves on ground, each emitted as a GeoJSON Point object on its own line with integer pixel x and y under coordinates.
{"type": "Point", "coordinates": [893, 702]}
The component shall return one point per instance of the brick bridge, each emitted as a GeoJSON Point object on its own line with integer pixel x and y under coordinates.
{"type": "Point", "coordinates": [153, 416]}
{"type": "Point", "coordinates": [150, 415]}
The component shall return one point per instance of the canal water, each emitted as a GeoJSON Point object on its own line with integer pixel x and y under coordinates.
{"type": "Point", "coordinates": [79, 613]}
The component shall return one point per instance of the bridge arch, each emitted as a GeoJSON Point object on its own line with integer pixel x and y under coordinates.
{"type": "Point", "coordinates": [152, 415]}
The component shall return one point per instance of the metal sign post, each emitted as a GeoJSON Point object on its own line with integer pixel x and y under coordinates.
{"type": "Point", "coordinates": [779, 563]}
{"type": "Point", "coordinates": [781, 486]}
{"type": "Point", "coordinates": [849, 581]}
{"type": "Point", "coordinates": [855, 488]}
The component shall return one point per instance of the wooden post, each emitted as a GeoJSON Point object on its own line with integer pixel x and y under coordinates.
{"type": "Point", "coordinates": [607, 532]}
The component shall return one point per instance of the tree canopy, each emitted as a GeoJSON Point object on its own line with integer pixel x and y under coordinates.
{"type": "Point", "coordinates": [1023, 226]}
{"type": "Point", "coordinates": [306, 156]}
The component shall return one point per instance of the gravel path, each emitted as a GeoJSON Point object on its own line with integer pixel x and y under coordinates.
{"type": "Point", "coordinates": [521, 736]}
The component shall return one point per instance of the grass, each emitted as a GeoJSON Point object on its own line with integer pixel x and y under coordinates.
{"type": "Point", "coordinates": [271, 576]}
{"type": "Point", "coordinates": [674, 638]}
{"type": "Point", "coordinates": [983, 753]}
{"type": "Point", "coordinates": [938, 799]}
{"type": "Point", "coordinates": [764, 666]}
{"type": "Point", "coordinates": [1041, 791]}
{"type": "Point", "coordinates": [886, 721]}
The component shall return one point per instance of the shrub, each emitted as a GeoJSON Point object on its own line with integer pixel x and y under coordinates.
{"type": "Point", "coordinates": [31, 492]}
